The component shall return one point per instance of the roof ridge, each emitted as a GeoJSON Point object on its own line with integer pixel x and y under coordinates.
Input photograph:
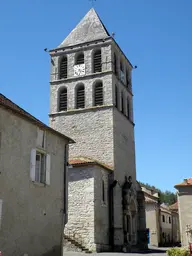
{"type": "Point", "coordinates": [90, 28]}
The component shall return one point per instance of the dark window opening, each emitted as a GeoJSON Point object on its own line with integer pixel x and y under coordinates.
{"type": "Point", "coordinates": [122, 103]}
{"type": "Point", "coordinates": [121, 66]}
{"type": "Point", "coordinates": [128, 109]}
{"type": "Point", "coordinates": [97, 67]}
{"type": "Point", "coordinates": [81, 96]}
{"type": "Point", "coordinates": [115, 64]}
{"type": "Point", "coordinates": [128, 79]}
{"type": "Point", "coordinates": [122, 76]}
{"type": "Point", "coordinates": [103, 191]}
{"type": "Point", "coordinates": [163, 218]}
{"type": "Point", "coordinates": [63, 100]}
{"type": "Point", "coordinates": [98, 94]}
{"type": "Point", "coordinates": [116, 96]}
{"type": "Point", "coordinates": [80, 59]}
{"type": "Point", "coordinates": [63, 67]}
{"type": "Point", "coordinates": [169, 219]}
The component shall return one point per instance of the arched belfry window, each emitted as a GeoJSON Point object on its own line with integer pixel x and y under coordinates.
{"type": "Point", "coordinates": [116, 96]}
{"type": "Point", "coordinates": [80, 96]}
{"type": "Point", "coordinates": [63, 99]}
{"type": "Point", "coordinates": [115, 64]}
{"type": "Point", "coordinates": [80, 59]}
{"type": "Point", "coordinates": [122, 76]}
{"type": "Point", "coordinates": [98, 94]}
{"type": "Point", "coordinates": [122, 103]}
{"type": "Point", "coordinates": [127, 78]}
{"type": "Point", "coordinates": [103, 191]}
{"type": "Point", "coordinates": [63, 67]}
{"type": "Point", "coordinates": [97, 66]}
{"type": "Point", "coordinates": [128, 108]}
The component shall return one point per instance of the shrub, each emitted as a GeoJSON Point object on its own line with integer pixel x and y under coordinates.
{"type": "Point", "coordinates": [178, 252]}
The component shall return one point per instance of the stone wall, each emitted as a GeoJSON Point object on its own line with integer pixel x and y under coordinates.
{"type": "Point", "coordinates": [101, 209]}
{"type": "Point", "coordinates": [32, 214]}
{"type": "Point", "coordinates": [152, 222]}
{"type": "Point", "coordinates": [88, 221]}
{"type": "Point", "coordinates": [90, 130]}
{"type": "Point", "coordinates": [185, 213]}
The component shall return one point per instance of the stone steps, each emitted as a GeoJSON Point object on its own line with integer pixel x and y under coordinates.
{"type": "Point", "coordinates": [70, 245]}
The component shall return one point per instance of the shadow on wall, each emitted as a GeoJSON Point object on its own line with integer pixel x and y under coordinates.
{"type": "Point", "coordinates": [78, 174]}
{"type": "Point", "coordinates": [55, 251]}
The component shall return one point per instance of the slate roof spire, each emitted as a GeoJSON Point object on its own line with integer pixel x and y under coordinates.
{"type": "Point", "coordinates": [90, 28]}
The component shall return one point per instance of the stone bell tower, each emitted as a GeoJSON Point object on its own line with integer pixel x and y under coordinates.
{"type": "Point", "coordinates": [91, 101]}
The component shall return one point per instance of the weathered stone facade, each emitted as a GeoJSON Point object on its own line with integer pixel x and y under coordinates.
{"type": "Point", "coordinates": [32, 213]}
{"type": "Point", "coordinates": [185, 210]}
{"type": "Point", "coordinates": [104, 133]}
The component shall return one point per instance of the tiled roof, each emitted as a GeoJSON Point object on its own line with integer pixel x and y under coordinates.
{"type": "Point", "coordinates": [11, 106]}
{"type": "Point", "coordinates": [186, 182]}
{"type": "Point", "coordinates": [174, 206]}
{"type": "Point", "coordinates": [150, 200]}
{"type": "Point", "coordinates": [82, 161]}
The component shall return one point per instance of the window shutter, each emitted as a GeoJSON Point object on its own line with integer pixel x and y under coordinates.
{"type": "Point", "coordinates": [98, 94]}
{"type": "Point", "coordinates": [63, 100]}
{"type": "Point", "coordinates": [48, 169]}
{"type": "Point", "coordinates": [81, 97]}
{"type": "Point", "coordinates": [32, 164]}
{"type": "Point", "coordinates": [97, 62]}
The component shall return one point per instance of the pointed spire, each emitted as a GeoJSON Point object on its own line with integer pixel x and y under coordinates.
{"type": "Point", "coordinates": [90, 28]}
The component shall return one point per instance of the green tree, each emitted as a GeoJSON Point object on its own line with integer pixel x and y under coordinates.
{"type": "Point", "coordinates": [166, 197]}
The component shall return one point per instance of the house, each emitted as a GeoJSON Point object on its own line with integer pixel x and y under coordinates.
{"type": "Point", "coordinates": [175, 223]}
{"type": "Point", "coordinates": [152, 211]}
{"type": "Point", "coordinates": [185, 210]}
{"type": "Point", "coordinates": [33, 183]}
{"type": "Point", "coordinates": [162, 220]}
{"type": "Point", "coordinates": [91, 101]}
{"type": "Point", "coordinates": [165, 224]}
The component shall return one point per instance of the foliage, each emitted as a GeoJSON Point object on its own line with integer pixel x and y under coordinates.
{"type": "Point", "coordinates": [166, 197]}
{"type": "Point", "coordinates": [178, 252]}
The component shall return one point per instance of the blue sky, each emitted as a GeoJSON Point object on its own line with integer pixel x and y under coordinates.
{"type": "Point", "coordinates": [155, 35]}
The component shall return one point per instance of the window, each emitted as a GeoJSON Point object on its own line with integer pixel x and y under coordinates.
{"type": "Point", "coordinates": [40, 167]}
{"type": "Point", "coordinates": [103, 191]}
{"type": "Point", "coordinates": [169, 219]}
{"type": "Point", "coordinates": [163, 218]}
{"type": "Point", "coordinates": [80, 59]}
{"type": "Point", "coordinates": [40, 172]}
{"type": "Point", "coordinates": [122, 103]}
{"type": "Point", "coordinates": [97, 62]}
{"type": "Point", "coordinates": [63, 68]}
{"type": "Point", "coordinates": [116, 96]}
{"type": "Point", "coordinates": [63, 100]}
{"type": "Point", "coordinates": [80, 96]}
{"type": "Point", "coordinates": [128, 109]}
{"type": "Point", "coordinates": [128, 79]}
{"type": "Point", "coordinates": [115, 64]}
{"type": "Point", "coordinates": [98, 94]}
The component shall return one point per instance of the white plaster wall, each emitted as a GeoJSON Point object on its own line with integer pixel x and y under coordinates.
{"type": "Point", "coordinates": [24, 227]}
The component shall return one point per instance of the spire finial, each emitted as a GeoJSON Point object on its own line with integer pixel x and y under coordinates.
{"type": "Point", "coordinates": [92, 2]}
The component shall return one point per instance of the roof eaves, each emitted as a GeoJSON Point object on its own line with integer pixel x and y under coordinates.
{"type": "Point", "coordinates": [11, 106]}
{"type": "Point", "coordinates": [88, 161]}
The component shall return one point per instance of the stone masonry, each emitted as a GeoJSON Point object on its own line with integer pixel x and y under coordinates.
{"type": "Point", "coordinates": [103, 133]}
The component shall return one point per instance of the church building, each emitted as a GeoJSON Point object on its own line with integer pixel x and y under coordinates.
{"type": "Point", "coordinates": [91, 101]}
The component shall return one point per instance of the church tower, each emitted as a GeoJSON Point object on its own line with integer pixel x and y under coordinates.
{"type": "Point", "coordinates": [91, 101]}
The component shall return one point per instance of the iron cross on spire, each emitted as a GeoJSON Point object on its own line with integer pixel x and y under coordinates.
{"type": "Point", "coordinates": [92, 2]}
